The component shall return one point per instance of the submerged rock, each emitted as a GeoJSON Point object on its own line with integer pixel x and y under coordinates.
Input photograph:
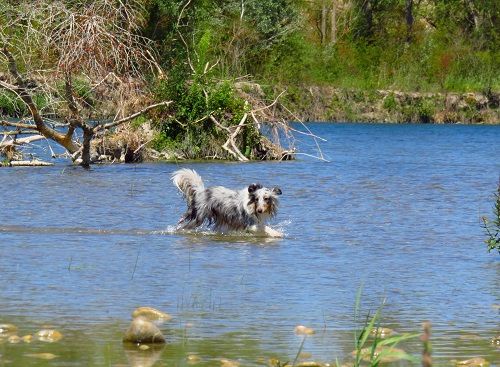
{"type": "Point", "coordinates": [193, 359]}
{"type": "Point", "coordinates": [229, 363]}
{"type": "Point", "coordinates": [27, 338]}
{"type": "Point", "coordinates": [142, 330]}
{"type": "Point", "coordinates": [496, 340]}
{"type": "Point", "coordinates": [474, 362]}
{"type": "Point", "coordinates": [310, 364]}
{"type": "Point", "coordinates": [7, 328]}
{"type": "Point", "coordinates": [303, 330]}
{"type": "Point", "coordinates": [14, 339]}
{"type": "Point", "coordinates": [47, 356]}
{"type": "Point", "coordinates": [389, 354]}
{"type": "Point", "coordinates": [382, 332]}
{"type": "Point", "coordinates": [151, 314]}
{"type": "Point", "coordinates": [49, 335]}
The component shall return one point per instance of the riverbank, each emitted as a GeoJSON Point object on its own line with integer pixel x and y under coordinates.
{"type": "Point", "coordinates": [326, 103]}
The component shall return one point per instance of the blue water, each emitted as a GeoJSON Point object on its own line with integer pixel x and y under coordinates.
{"type": "Point", "coordinates": [396, 210]}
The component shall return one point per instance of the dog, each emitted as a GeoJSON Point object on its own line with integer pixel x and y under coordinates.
{"type": "Point", "coordinates": [223, 209]}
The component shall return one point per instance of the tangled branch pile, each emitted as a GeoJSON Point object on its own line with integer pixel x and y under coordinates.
{"type": "Point", "coordinates": [88, 66]}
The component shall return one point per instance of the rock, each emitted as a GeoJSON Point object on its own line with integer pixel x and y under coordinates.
{"type": "Point", "coordinates": [496, 340]}
{"type": "Point", "coordinates": [388, 354]}
{"type": "Point", "coordinates": [142, 330]}
{"type": "Point", "coordinates": [47, 356]}
{"type": "Point", "coordinates": [474, 362]}
{"type": "Point", "coordinates": [310, 364]}
{"type": "Point", "coordinates": [303, 330]}
{"type": "Point", "coordinates": [27, 338]}
{"type": "Point", "coordinates": [49, 335]}
{"type": "Point", "coordinates": [151, 314]}
{"type": "Point", "coordinates": [229, 363]}
{"type": "Point", "coordinates": [14, 339]}
{"type": "Point", "coordinates": [193, 359]}
{"type": "Point", "coordinates": [7, 328]}
{"type": "Point", "coordinates": [382, 332]}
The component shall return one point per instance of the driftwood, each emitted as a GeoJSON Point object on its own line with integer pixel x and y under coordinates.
{"type": "Point", "coordinates": [21, 141]}
{"type": "Point", "coordinates": [34, 163]}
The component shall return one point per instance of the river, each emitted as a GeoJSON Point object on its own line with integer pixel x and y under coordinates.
{"type": "Point", "coordinates": [396, 210]}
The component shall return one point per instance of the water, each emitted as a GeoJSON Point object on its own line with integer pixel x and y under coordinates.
{"type": "Point", "coordinates": [396, 210]}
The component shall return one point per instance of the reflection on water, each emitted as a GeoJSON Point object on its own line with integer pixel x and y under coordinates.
{"type": "Point", "coordinates": [397, 210]}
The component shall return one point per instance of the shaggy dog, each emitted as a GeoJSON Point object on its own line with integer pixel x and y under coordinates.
{"type": "Point", "coordinates": [224, 209]}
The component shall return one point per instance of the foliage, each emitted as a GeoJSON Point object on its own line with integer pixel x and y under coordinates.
{"type": "Point", "coordinates": [190, 131]}
{"type": "Point", "coordinates": [492, 227]}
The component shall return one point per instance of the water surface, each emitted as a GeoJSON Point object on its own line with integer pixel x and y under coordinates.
{"type": "Point", "coordinates": [396, 209]}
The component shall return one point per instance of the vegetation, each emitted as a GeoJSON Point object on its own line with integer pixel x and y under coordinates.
{"type": "Point", "coordinates": [195, 52]}
{"type": "Point", "coordinates": [492, 227]}
{"type": "Point", "coordinates": [381, 350]}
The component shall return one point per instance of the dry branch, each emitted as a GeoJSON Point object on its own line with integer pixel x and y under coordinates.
{"type": "Point", "coordinates": [17, 125]}
{"type": "Point", "coordinates": [132, 116]}
{"type": "Point", "coordinates": [231, 136]}
{"type": "Point", "coordinates": [34, 163]}
{"type": "Point", "coordinates": [21, 141]}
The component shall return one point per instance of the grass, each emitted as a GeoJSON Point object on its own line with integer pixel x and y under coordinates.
{"type": "Point", "coordinates": [380, 350]}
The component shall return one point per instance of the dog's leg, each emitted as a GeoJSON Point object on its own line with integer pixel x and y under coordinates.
{"type": "Point", "coordinates": [263, 230]}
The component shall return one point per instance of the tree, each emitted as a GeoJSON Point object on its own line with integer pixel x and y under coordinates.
{"type": "Point", "coordinates": [80, 61]}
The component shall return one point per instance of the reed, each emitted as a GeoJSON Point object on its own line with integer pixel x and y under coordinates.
{"type": "Point", "coordinates": [380, 350]}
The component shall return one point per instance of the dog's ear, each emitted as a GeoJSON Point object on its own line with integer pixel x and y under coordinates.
{"type": "Point", "coordinates": [277, 190]}
{"type": "Point", "coordinates": [254, 187]}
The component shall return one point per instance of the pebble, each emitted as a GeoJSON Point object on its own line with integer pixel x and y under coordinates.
{"type": "Point", "coordinates": [47, 356]}
{"type": "Point", "coordinates": [193, 359]}
{"type": "Point", "coordinates": [14, 339]}
{"type": "Point", "coordinates": [229, 363]}
{"type": "Point", "coordinates": [7, 328]}
{"type": "Point", "coordinates": [382, 332]}
{"type": "Point", "coordinates": [49, 335]}
{"type": "Point", "coordinates": [474, 362]}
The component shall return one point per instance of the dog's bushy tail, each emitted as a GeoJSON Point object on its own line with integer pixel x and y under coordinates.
{"type": "Point", "coordinates": [188, 182]}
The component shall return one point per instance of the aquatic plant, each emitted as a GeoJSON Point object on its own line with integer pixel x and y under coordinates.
{"type": "Point", "coordinates": [381, 350]}
{"type": "Point", "coordinates": [492, 227]}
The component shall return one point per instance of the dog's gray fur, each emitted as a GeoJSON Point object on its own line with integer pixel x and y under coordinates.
{"type": "Point", "coordinates": [224, 209]}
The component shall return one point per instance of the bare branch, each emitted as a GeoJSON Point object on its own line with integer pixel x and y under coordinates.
{"type": "Point", "coordinates": [231, 136]}
{"type": "Point", "coordinates": [269, 106]}
{"type": "Point", "coordinates": [131, 117]}
{"type": "Point", "coordinates": [17, 124]}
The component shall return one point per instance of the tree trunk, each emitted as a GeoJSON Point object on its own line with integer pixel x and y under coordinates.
{"type": "Point", "coordinates": [88, 134]}
{"type": "Point", "coordinates": [333, 19]}
{"type": "Point", "coordinates": [323, 22]}
{"type": "Point", "coordinates": [409, 20]}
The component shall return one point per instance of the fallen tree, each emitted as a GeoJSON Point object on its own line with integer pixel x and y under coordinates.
{"type": "Point", "coordinates": [87, 79]}
{"type": "Point", "coordinates": [82, 62]}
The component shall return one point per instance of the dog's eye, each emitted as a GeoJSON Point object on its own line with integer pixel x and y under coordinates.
{"type": "Point", "coordinates": [267, 199]}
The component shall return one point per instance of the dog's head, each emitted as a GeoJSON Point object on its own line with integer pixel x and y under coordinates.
{"type": "Point", "coordinates": [263, 201]}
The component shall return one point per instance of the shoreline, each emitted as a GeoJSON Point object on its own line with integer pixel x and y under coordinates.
{"type": "Point", "coordinates": [331, 104]}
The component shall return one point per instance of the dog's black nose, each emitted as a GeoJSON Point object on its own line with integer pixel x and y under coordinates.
{"type": "Point", "coordinates": [259, 211]}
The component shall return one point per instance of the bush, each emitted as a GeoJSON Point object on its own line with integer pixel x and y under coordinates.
{"type": "Point", "coordinates": [492, 227]}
